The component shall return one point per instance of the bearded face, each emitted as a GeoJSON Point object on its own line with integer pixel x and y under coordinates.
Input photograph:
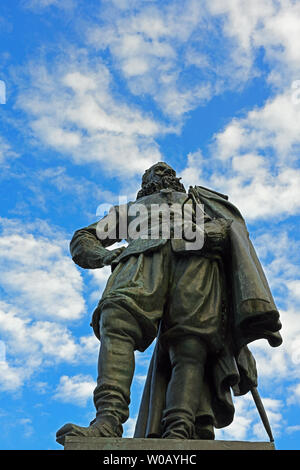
{"type": "Point", "coordinates": [160, 176]}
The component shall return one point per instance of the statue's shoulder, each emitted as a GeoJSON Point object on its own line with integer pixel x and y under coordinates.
{"type": "Point", "coordinates": [209, 192]}
{"type": "Point", "coordinates": [216, 201]}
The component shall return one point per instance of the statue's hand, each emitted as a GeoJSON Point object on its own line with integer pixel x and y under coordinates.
{"type": "Point", "coordinates": [216, 232]}
{"type": "Point", "coordinates": [111, 255]}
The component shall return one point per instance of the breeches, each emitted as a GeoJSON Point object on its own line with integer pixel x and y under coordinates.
{"type": "Point", "coordinates": [183, 292]}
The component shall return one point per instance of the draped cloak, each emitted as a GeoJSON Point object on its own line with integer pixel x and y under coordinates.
{"type": "Point", "coordinates": [251, 315]}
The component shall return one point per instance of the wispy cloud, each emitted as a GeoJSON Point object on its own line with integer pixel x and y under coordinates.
{"type": "Point", "coordinates": [6, 151]}
{"type": "Point", "coordinates": [41, 5]}
{"type": "Point", "coordinates": [292, 429]}
{"type": "Point", "coordinates": [78, 111]}
{"type": "Point", "coordinates": [74, 111]}
{"type": "Point", "coordinates": [166, 58]}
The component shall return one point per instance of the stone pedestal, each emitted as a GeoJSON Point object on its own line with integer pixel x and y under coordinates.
{"type": "Point", "coordinates": [129, 444]}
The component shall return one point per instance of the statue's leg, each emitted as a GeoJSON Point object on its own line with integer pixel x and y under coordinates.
{"type": "Point", "coordinates": [120, 333]}
{"type": "Point", "coordinates": [188, 357]}
{"type": "Point", "coordinates": [138, 285]}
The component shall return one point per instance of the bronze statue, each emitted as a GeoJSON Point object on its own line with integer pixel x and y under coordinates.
{"type": "Point", "coordinates": [202, 303]}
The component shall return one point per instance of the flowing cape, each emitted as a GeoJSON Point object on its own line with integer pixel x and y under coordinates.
{"type": "Point", "coordinates": [253, 315]}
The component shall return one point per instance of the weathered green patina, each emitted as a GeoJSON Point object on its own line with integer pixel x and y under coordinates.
{"type": "Point", "coordinates": [202, 305]}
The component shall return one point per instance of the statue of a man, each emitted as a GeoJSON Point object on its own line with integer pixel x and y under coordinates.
{"type": "Point", "coordinates": [203, 303]}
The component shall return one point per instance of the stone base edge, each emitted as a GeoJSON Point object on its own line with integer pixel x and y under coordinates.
{"type": "Point", "coordinates": [130, 444]}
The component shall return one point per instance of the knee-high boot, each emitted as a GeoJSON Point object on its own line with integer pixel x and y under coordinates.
{"type": "Point", "coordinates": [115, 373]}
{"type": "Point", "coordinates": [187, 356]}
{"type": "Point", "coordinates": [120, 334]}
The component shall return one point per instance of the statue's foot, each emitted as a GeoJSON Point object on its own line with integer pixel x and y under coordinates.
{"type": "Point", "coordinates": [104, 426]}
{"type": "Point", "coordinates": [205, 432]}
{"type": "Point", "coordinates": [175, 434]}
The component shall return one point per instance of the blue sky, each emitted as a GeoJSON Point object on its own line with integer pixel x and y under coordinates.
{"type": "Point", "coordinates": [94, 92]}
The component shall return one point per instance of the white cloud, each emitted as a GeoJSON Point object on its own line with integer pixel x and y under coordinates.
{"type": "Point", "coordinates": [242, 423]}
{"type": "Point", "coordinates": [164, 57]}
{"type": "Point", "coordinates": [279, 255]}
{"type": "Point", "coordinates": [76, 390]}
{"type": "Point", "coordinates": [74, 111]}
{"type": "Point", "coordinates": [254, 160]}
{"type": "Point", "coordinates": [11, 378]}
{"type": "Point", "coordinates": [167, 59]}
{"type": "Point", "coordinates": [274, 412]}
{"type": "Point", "coordinates": [36, 345]}
{"type": "Point", "coordinates": [282, 363]}
{"type": "Point", "coordinates": [242, 18]}
{"type": "Point", "coordinates": [38, 274]}
{"type": "Point", "coordinates": [294, 289]}
{"type": "Point", "coordinates": [192, 174]}
{"type": "Point", "coordinates": [54, 341]}
{"type": "Point", "coordinates": [35, 339]}
{"type": "Point", "coordinates": [294, 394]}
{"type": "Point", "coordinates": [44, 288]}
{"type": "Point", "coordinates": [271, 25]}
{"type": "Point", "coordinates": [88, 349]}
{"type": "Point", "coordinates": [292, 429]}
{"type": "Point", "coordinates": [247, 424]}
{"type": "Point", "coordinates": [275, 125]}
{"type": "Point", "coordinates": [77, 112]}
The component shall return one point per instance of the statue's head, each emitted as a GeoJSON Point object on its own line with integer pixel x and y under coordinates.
{"type": "Point", "coordinates": [160, 176]}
